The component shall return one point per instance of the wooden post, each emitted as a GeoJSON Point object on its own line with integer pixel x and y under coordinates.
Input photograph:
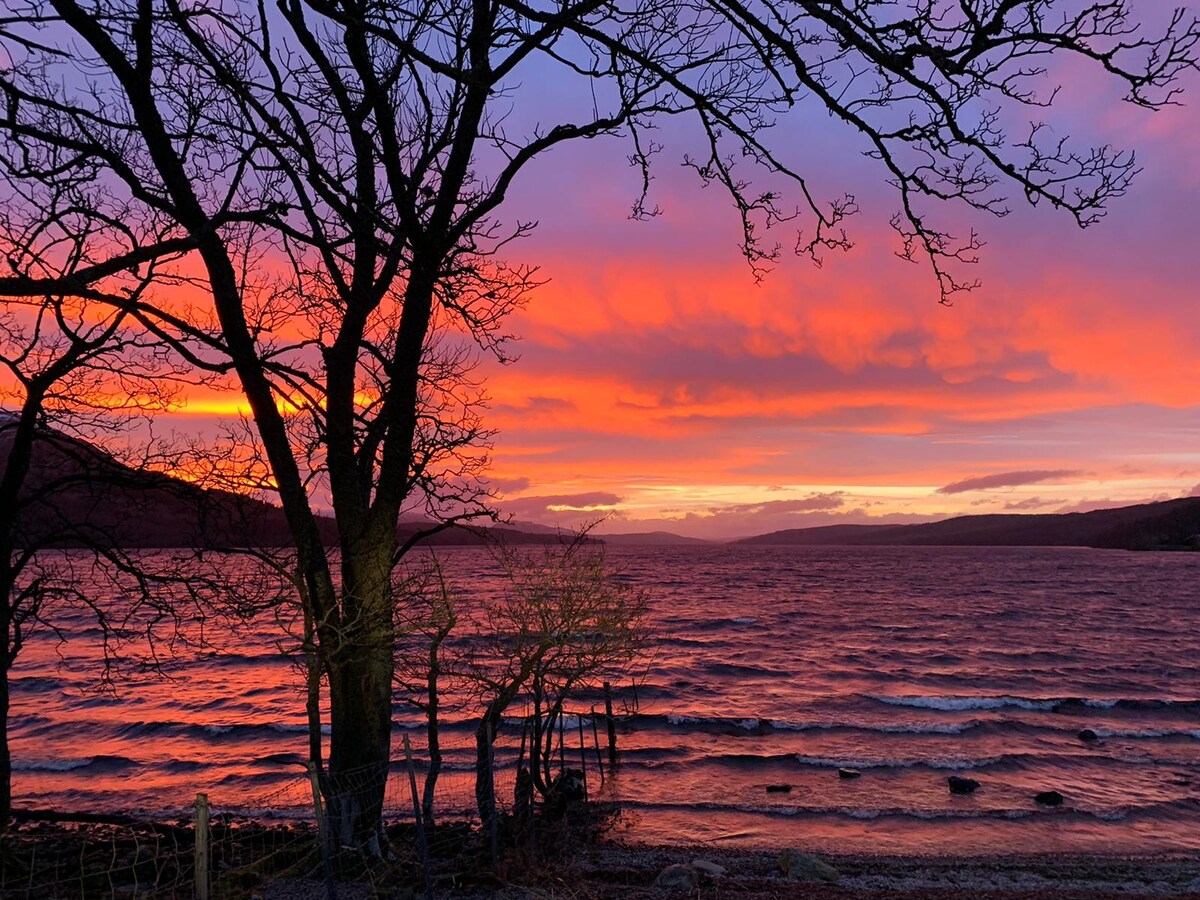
{"type": "Point", "coordinates": [314, 779]}
{"type": "Point", "coordinates": [202, 847]}
{"type": "Point", "coordinates": [612, 725]}
{"type": "Point", "coordinates": [582, 756]}
{"type": "Point", "coordinates": [419, 819]}
{"type": "Point", "coordinates": [562, 744]}
{"type": "Point", "coordinates": [596, 744]}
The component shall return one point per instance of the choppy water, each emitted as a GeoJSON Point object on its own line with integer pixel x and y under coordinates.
{"type": "Point", "coordinates": [776, 666]}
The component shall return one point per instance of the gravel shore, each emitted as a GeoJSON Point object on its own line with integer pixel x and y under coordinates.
{"type": "Point", "coordinates": [630, 870]}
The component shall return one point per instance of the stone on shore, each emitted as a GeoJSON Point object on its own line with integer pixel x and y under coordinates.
{"type": "Point", "coordinates": [806, 867]}
{"type": "Point", "coordinates": [1088, 735]}
{"type": "Point", "coordinates": [960, 785]}
{"type": "Point", "coordinates": [678, 877]}
{"type": "Point", "coordinates": [708, 869]}
{"type": "Point", "coordinates": [1049, 798]}
{"type": "Point", "coordinates": [779, 788]}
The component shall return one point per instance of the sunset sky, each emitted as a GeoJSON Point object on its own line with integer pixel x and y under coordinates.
{"type": "Point", "coordinates": [659, 384]}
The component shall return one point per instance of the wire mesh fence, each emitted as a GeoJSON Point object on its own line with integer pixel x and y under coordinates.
{"type": "Point", "coordinates": [375, 827]}
{"type": "Point", "coordinates": [230, 850]}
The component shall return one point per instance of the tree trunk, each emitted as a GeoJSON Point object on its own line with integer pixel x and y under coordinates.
{"type": "Point", "coordinates": [432, 727]}
{"type": "Point", "coordinates": [485, 784]}
{"type": "Point", "coordinates": [360, 705]}
{"type": "Point", "coordinates": [5, 759]}
{"type": "Point", "coordinates": [312, 681]}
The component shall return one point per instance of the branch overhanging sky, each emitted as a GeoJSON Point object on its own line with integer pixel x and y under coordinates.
{"type": "Point", "coordinates": [659, 385]}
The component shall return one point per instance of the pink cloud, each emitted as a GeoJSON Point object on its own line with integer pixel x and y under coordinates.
{"type": "Point", "coordinates": [1005, 479]}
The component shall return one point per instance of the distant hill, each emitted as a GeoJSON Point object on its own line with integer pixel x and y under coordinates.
{"type": "Point", "coordinates": [78, 495]}
{"type": "Point", "coordinates": [650, 539]}
{"type": "Point", "coordinates": [1167, 525]}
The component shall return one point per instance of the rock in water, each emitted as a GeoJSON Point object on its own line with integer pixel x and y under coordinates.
{"type": "Point", "coordinates": [708, 869]}
{"type": "Point", "coordinates": [849, 773]}
{"type": "Point", "coordinates": [960, 785]}
{"type": "Point", "coordinates": [678, 878]}
{"type": "Point", "coordinates": [1049, 798]}
{"type": "Point", "coordinates": [805, 867]}
{"type": "Point", "coordinates": [779, 788]}
{"type": "Point", "coordinates": [1088, 735]}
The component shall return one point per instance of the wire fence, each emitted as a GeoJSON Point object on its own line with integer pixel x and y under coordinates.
{"type": "Point", "coordinates": [357, 833]}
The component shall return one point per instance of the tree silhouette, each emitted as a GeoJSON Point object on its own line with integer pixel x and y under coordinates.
{"type": "Point", "coordinates": [71, 368]}
{"type": "Point", "coordinates": [335, 169]}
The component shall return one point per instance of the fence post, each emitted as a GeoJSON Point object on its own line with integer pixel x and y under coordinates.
{"type": "Point", "coordinates": [612, 725]}
{"type": "Point", "coordinates": [582, 755]}
{"type": "Point", "coordinates": [596, 744]}
{"type": "Point", "coordinates": [562, 744]}
{"type": "Point", "coordinates": [201, 870]}
{"type": "Point", "coordinates": [419, 814]}
{"type": "Point", "coordinates": [314, 780]}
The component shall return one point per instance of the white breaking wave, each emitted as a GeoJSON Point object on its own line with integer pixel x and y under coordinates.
{"type": "Point", "coordinates": [953, 763]}
{"type": "Point", "coordinates": [903, 728]}
{"type": "Point", "coordinates": [1147, 732]}
{"type": "Point", "coordinates": [50, 765]}
{"type": "Point", "coordinates": [746, 724]}
{"type": "Point", "coordinates": [950, 703]}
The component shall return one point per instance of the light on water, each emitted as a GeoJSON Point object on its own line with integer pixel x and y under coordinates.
{"type": "Point", "coordinates": [776, 666]}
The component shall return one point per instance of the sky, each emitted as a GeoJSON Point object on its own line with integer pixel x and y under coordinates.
{"type": "Point", "coordinates": [661, 387]}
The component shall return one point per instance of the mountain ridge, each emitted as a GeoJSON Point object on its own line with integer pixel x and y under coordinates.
{"type": "Point", "coordinates": [1160, 525]}
{"type": "Point", "coordinates": [101, 499]}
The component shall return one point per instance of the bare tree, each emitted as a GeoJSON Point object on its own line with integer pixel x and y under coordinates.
{"type": "Point", "coordinates": [336, 168]}
{"type": "Point", "coordinates": [71, 369]}
{"type": "Point", "coordinates": [426, 671]}
{"type": "Point", "coordinates": [558, 625]}
{"type": "Point", "coordinates": [554, 624]}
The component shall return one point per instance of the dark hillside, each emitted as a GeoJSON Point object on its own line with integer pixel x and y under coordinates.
{"type": "Point", "coordinates": [1167, 525]}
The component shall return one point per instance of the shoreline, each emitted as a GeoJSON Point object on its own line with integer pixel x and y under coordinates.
{"type": "Point", "coordinates": [630, 868]}
{"type": "Point", "coordinates": [620, 865]}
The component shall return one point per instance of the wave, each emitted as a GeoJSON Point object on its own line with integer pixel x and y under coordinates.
{"type": "Point", "coordinates": [281, 759]}
{"type": "Point", "coordinates": [1117, 814]}
{"type": "Point", "coordinates": [34, 684]}
{"type": "Point", "coordinates": [212, 732]}
{"type": "Point", "coordinates": [880, 727]}
{"type": "Point", "coordinates": [720, 722]}
{"type": "Point", "coordinates": [100, 763]}
{"type": "Point", "coordinates": [1193, 733]}
{"type": "Point", "coordinates": [958, 702]}
{"type": "Point", "coordinates": [954, 763]}
{"type": "Point", "coordinates": [756, 724]}
{"type": "Point", "coordinates": [182, 766]}
{"type": "Point", "coordinates": [744, 670]}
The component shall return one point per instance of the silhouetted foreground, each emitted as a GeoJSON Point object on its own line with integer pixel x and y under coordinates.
{"type": "Point", "coordinates": [277, 862]}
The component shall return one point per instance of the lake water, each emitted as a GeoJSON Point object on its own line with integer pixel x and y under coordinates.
{"type": "Point", "coordinates": [775, 666]}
